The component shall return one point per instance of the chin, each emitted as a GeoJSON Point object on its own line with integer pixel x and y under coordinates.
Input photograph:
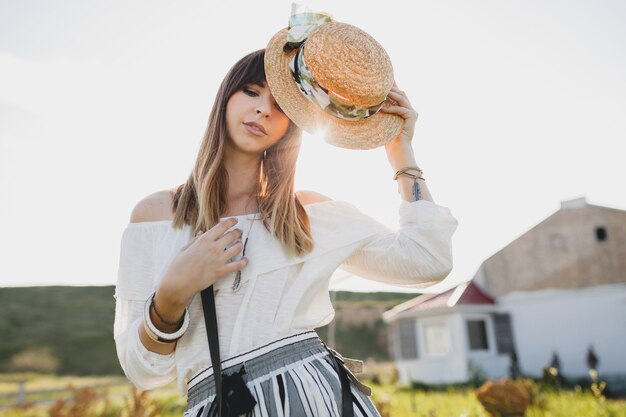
{"type": "Point", "coordinates": [254, 150]}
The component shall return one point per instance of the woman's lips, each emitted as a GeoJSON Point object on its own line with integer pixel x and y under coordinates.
{"type": "Point", "coordinates": [254, 130]}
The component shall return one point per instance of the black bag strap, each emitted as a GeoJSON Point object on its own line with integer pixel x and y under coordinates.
{"type": "Point", "coordinates": [210, 319]}
{"type": "Point", "coordinates": [347, 408]}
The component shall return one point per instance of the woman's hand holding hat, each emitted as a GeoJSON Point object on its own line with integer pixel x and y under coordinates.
{"type": "Point", "coordinates": [400, 150]}
{"type": "Point", "coordinates": [404, 109]}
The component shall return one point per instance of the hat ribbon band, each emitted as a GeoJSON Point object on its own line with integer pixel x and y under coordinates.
{"type": "Point", "coordinates": [321, 97]}
{"type": "Point", "coordinates": [302, 24]}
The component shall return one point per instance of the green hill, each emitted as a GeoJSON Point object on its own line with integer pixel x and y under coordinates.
{"type": "Point", "coordinates": [74, 326]}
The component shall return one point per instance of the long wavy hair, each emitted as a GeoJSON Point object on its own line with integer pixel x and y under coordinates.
{"type": "Point", "coordinates": [202, 199]}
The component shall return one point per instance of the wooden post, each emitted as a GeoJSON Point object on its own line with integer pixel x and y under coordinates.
{"type": "Point", "coordinates": [21, 393]}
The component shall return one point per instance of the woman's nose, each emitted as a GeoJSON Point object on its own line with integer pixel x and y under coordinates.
{"type": "Point", "coordinates": [265, 106]}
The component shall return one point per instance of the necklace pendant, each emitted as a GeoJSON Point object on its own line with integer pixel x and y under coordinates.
{"type": "Point", "coordinates": [236, 284]}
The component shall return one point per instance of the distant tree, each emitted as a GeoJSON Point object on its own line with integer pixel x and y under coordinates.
{"type": "Point", "coordinates": [551, 375]}
{"type": "Point", "coordinates": [556, 362]}
{"type": "Point", "coordinates": [514, 369]}
{"type": "Point", "coordinates": [592, 359]}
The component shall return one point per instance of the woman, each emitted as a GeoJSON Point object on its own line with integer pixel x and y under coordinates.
{"type": "Point", "coordinates": [269, 252]}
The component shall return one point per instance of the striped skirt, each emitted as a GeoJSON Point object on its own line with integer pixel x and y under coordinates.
{"type": "Point", "coordinates": [289, 377]}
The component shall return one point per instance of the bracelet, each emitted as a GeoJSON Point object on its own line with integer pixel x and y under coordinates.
{"type": "Point", "coordinates": [417, 195]}
{"type": "Point", "coordinates": [156, 334]}
{"type": "Point", "coordinates": [403, 171]}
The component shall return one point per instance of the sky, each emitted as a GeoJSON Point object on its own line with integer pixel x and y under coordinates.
{"type": "Point", "coordinates": [522, 105]}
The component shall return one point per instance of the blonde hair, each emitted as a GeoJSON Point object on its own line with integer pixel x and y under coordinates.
{"type": "Point", "coordinates": [201, 200]}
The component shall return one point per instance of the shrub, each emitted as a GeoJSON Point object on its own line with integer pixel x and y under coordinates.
{"type": "Point", "coordinates": [139, 405]}
{"type": "Point", "coordinates": [81, 404]}
{"type": "Point", "coordinates": [503, 398]}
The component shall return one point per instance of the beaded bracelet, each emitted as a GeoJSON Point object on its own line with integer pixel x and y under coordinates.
{"type": "Point", "coordinates": [156, 334]}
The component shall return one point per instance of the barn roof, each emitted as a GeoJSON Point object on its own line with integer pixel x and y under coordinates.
{"type": "Point", "coordinates": [463, 294]}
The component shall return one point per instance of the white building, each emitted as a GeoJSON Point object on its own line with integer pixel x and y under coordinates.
{"type": "Point", "coordinates": [436, 337]}
{"type": "Point", "coordinates": [559, 288]}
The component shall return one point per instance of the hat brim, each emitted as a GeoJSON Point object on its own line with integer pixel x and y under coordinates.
{"type": "Point", "coordinates": [375, 131]}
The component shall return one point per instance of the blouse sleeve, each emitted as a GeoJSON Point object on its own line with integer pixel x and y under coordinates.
{"type": "Point", "coordinates": [144, 368]}
{"type": "Point", "coordinates": [417, 255]}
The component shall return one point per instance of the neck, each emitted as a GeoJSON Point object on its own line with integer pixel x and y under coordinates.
{"type": "Point", "coordinates": [243, 179]}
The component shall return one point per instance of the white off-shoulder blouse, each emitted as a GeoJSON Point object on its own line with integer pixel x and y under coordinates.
{"type": "Point", "coordinates": [279, 295]}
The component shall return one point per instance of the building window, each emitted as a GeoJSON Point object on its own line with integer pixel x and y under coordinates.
{"type": "Point", "coordinates": [504, 333]}
{"type": "Point", "coordinates": [601, 234]}
{"type": "Point", "coordinates": [477, 333]}
{"type": "Point", "coordinates": [436, 338]}
{"type": "Point", "coordinates": [407, 339]}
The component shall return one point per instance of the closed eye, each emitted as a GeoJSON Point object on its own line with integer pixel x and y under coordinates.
{"type": "Point", "coordinates": [250, 92]}
{"type": "Point", "coordinates": [253, 93]}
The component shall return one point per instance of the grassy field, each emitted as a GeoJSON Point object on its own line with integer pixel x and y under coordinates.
{"type": "Point", "coordinates": [119, 399]}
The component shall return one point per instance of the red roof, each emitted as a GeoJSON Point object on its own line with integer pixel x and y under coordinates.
{"type": "Point", "coordinates": [463, 294]}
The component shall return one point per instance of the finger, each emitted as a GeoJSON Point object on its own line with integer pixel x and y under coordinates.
{"type": "Point", "coordinates": [402, 111]}
{"type": "Point", "coordinates": [399, 110]}
{"type": "Point", "coordinates": [228, 238]}
{"type": "Point", "coordinates": [235, 266]}
{"type": "Point", "coordinates": [400, 98]}
{"type": "Point", "coordinates": [219, 229]}
{"type": "Point", "coordinates": [191, 241]}
{"type": "Point", "coordinates": [233, 250]}
{"type": "Point", "coordinates": [396, 88]}
{"type": "Point", "coordinates": [394, 100]}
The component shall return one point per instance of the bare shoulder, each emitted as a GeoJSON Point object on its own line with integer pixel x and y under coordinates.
{"type": "Point", "coordinates": [155, 207]}
{"type": "Point", "coordinates": [309, 197]}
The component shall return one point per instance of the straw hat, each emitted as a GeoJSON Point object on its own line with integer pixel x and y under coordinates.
{"type": "Point", "coordinates": [343, 78]}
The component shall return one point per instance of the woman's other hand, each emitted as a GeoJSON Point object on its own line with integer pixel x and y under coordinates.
{"type": "Point", "coordinates": [203, 261]}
